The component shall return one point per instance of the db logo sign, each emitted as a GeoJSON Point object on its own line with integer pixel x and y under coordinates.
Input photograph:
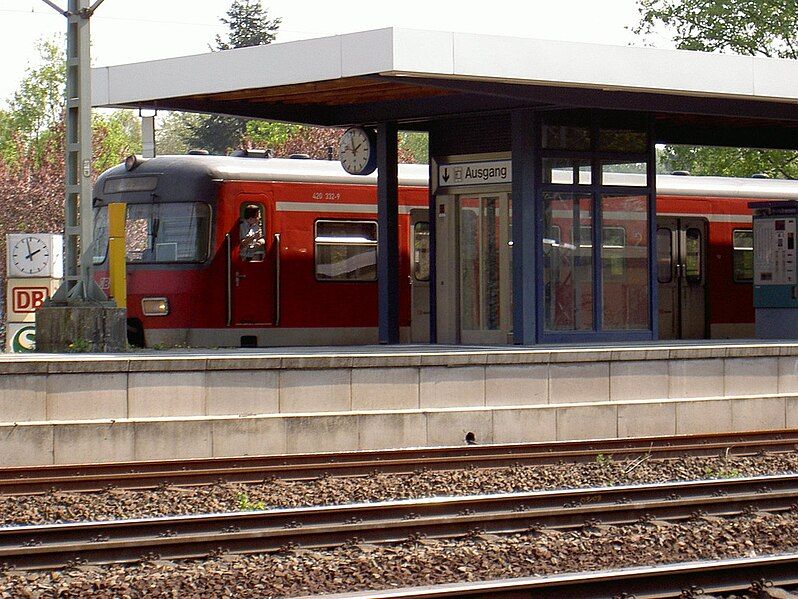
{"type": "Point", "coordinates": [25, 300]}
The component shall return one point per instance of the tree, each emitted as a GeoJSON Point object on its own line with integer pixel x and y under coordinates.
{"type": "Point", "coordinates": [36, 107]}
{"type": "Point", "coordinates": [750, 27]}
{"type": "Point", "coordinates": [248, 24]}
{"type": "Point", "coordinates": [753, 27]}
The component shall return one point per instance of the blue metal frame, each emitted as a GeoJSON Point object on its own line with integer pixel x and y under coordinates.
{"type": "Point", "coordinates": [595, 190]}
{"type": "Point", "coordinates": [388, 233]}
{"type": "Point", "coordinates": [524, 250]}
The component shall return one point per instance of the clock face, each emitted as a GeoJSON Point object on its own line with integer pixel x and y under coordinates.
{"type": "Point", "coordinates": [30, 255]}
{"type": "Point", "coordinates": [357, 152]}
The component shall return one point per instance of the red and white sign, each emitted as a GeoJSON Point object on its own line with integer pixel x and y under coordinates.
{"type": "Point", "coordinates": [25, 300]}
{"type": "Point", "coordinates": [24, 296]}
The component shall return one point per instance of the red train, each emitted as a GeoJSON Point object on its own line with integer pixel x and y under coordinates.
{"type": "Point", "coordinates": [193, 279]}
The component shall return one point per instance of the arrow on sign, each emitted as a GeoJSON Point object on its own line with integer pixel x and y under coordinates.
{"type": "Point", "coordinates": [445, 174]}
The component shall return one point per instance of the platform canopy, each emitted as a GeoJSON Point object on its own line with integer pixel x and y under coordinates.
{"type": "Point", "coordinates": [412, 76]}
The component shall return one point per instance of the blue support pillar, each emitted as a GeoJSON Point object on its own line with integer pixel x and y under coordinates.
{"type": "Point", "coordinates": [388, 232]}
{"type": "Point", "coordinates": [524, 141]}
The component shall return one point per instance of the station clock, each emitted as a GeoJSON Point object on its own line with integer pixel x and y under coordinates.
{"type": "Point", "coordinates": [357, 151]}
{"type": "Point", "coordinates": [34, 255]}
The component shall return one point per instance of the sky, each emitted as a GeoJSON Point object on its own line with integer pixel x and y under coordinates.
{"type": "Point", "coordinates": [123, 31]}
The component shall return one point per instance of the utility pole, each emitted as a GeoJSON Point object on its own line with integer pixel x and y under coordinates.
{"type": "Point", "coordinates": [79, 311]}
{"type": "Point", "coordinates": [79, 285]}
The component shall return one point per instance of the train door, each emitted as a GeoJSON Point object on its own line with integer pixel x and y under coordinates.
{"type": "Point", "coordinates": [484, 277]}
{"type": "Point", "coordinates": [681, 277]}
{"type": "Point", "coordinates": [419, 276]}
{"type": "Point", "coordinates": [253, 263]}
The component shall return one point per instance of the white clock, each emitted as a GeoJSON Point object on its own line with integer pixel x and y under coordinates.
{"type": "Point", "coordinates": [34, 255]}
{"type": "Point", "coordinates": [357, 151]}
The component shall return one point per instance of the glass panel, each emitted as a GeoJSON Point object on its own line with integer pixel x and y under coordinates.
{"type": "Point", "coordinates": [664, 255]}
{"type": "Point", "coordinates": [562, 137]}
{"type": "Point", "coordinates": [624, 260]}
{"type": "Point", "coordinates": [100, 234]}
{"type": "Point", "coordinates": [480, 236]}
{"type": "Point", "coordinates": [743, 257]}
{"type": "Point", "coordinates": [421, 251]}
{"type": "Point", "coordinates": [568, 262]}
{"type": "Point", "coordinates": [566, 171]}
{"type": "Point", "coordinates": [346, 250]}
{"type": "Point", "coordinates": [622, 140]}
{"type": "Point", "coordinates": [692, 264]}
{"type": "Point", "coordinates": [167, 232]}
{"type": "Point", "coordinates": [620, 172]}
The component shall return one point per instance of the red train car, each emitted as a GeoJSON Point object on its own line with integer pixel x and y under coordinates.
{"type": "Point", "coordinates": [194, 280]}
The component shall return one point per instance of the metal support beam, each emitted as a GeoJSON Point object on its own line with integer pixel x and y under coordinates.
{"type": "Point", "coordinates": [388, 232]}
{"type": "Point", "coordinates": [148, 136]}
{"type": "Point", "coordinates": [524, 161]}
{"type": "Point", "coordinates": [78, 283]}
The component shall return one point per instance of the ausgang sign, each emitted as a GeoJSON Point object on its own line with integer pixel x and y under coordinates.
{"type": "Point", "coordinates": [475, 173]}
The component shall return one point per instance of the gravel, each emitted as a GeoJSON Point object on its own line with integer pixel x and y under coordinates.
{"type": "Point", "coordinates": [226, 497]}
{"type": "Point", "coordinates": [355, 566]}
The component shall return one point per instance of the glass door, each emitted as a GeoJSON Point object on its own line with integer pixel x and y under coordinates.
{"type": "Point", "coordinates": [485, 248]}
{"type": "Point", "coordinates": [681, 244]}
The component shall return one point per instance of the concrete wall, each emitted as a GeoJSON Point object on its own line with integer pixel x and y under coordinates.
{"type": "Point", "coordinates": [74, 409]}
{"type": "Point", "coordinates": [71, 388]}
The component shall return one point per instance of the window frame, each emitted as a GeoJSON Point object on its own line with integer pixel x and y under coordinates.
{"type": "Point", "coordinates": [207, 249]}
{"type": "Point", "coordinates": [316, 244]}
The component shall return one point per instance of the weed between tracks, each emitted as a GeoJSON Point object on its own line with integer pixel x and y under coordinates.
{"type": "Point", "coordinates": [229, 497]}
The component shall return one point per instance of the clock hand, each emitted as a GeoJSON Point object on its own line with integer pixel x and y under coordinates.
{"type": "Point", "coordinates": [27, 242]}
{"type": "Point", "coordinates": [32, 254]}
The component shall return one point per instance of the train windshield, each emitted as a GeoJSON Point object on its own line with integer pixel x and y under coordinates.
{"type": "Point", "coordinates": [169, 232]}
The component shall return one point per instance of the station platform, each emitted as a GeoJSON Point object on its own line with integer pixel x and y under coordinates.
{"type": "Point", "coordinates": [80, 408]}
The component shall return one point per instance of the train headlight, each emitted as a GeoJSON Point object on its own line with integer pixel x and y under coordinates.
{"type": "Point", "coordinates": [155, 306]}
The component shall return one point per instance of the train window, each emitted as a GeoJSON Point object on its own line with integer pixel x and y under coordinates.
{"type": "Point", "coordinates": [100, 235]}
{"type": "Point", "coordinates": [565, 171]}
{"type": "Point", "coordinates": [421, 251]}
{"type": "Point", "coordinates": [346, 250]}
{"type": "Point", "coordinates": [664, 256]}
{"type": "Point", "coordinates": [692, 263]}
{"type": "Point", "coordinates": [167, 232]}
{"type": "Point", "coordinates": [251, 245]}
{"type": "Point", "coordinates": [743, 256]}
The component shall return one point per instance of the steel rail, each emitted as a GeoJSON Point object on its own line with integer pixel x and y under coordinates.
{"type": "Point", "coordinates": [253, 469]}
{"type": "Point", "coordinates": [194, 536]}
{"type": "Point", "coordinates": [645, 582]}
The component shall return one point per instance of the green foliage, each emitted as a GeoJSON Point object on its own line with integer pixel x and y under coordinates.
{"type": "Point", "coordinates": [36, 107]}
{"type": "Point", "coordinates": [729, 162]}
{"type": "Point", "coordinates": [750, 27]}
{"type": "Point", "coordinates": [115, 136]}
{"type": "Point", "coordinates": [79, 346]}
{"type": "Point", "coordinates": [245, 505]}
{"type": "Point", "coordinates": [753, 27]}
{"type": "Point", "coordinates": [603, 460]}
{"type": "Point", "coordinates": [414, 147]}
{"type": "Point", "coordinates": [249, 25]}
{"type": "Point", "coordinates": [721, 472]}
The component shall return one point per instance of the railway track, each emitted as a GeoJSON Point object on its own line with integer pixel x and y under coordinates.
{"type": "Point", "coordinates": [193, 472]}
{"type": "Point", "coordinates": [690, 579]}
{"type": "Point", "coordinates": [58, 545]}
